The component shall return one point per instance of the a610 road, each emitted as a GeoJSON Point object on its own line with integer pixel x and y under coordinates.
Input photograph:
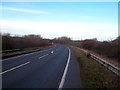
{"type": "Point", "coordinates": [55, 67]}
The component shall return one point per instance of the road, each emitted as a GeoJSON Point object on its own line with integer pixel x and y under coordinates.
{"type": "Point", "coordinates": [55, 67]}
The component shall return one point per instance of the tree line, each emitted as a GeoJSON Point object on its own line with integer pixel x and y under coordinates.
{"type": "Point", "coordinates": [108, 48]}
{"type": "Point", "coordinates": [19, 42]}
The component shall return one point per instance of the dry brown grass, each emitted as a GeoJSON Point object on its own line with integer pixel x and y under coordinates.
{"type": "Point", "coordinates": [93, 74]}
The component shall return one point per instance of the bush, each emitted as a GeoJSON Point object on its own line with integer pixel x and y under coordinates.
{"type": "Point", "coordinates": [110, 49]}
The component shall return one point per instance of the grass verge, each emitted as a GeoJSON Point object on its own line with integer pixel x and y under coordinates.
{"type": "Point", "coordinates": [93, 74]}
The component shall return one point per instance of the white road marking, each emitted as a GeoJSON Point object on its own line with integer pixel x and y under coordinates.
{"type": "Point", "coordinates": [52, 51]}
{"type": "Point", "coordinates": [26, 54]}
{"type": "Point", "coordinates": [43, 56]}
{"type": "Point", "coordinates": [65, 72]}
{"type": "Point", "coordinates": [14, 68]}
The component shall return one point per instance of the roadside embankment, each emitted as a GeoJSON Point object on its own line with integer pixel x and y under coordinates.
{"type": "Point", "coordinates": [93, 74]}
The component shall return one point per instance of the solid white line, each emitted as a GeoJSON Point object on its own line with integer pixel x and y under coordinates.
{"type": "Point", "coordinates": [15, 68]}
{"type": "Point", "coordinates": [43, 56]}
{"type": "Point", "coordinates": [65, 72]}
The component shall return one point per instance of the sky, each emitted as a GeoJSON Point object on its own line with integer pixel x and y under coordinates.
{"type": "Point", "coordinates": [78, 20]}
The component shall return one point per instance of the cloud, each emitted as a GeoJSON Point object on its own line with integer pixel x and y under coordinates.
{"type": "Point", "coordinates": [75, 30]}
{"type": "Point", "coordinates": [24, 10]}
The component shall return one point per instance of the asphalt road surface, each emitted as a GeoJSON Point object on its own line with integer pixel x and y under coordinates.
{"type": "Point", "coordinates": [55, 67]}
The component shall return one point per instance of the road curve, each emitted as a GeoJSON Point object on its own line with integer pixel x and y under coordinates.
{"type": "Point", "coordinates": [56, 67]}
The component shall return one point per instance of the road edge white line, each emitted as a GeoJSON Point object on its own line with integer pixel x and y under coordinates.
{"type": "Point", "coordinates": [65, 72]}
{"type": "Point", "coordinates": [14, 68]}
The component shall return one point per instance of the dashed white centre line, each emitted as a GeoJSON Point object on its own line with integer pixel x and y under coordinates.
{"type": "Point", "coordinates": [27, 54]}
{"type": "Point", "coordinates": [14, 68]}
{"type": "Point", "coordinates": [43, 56]}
